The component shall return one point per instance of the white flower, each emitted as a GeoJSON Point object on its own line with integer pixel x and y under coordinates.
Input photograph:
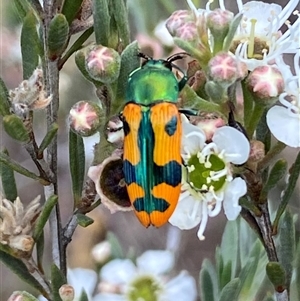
{"type": "Point", "coordinates": [284, 121]}
{"type": "Point", "coordinates": [258, 39]}
{"type": "Point", "coordinates": [207, 180]}
{"type": "Point", "coordinates": [122, 280]}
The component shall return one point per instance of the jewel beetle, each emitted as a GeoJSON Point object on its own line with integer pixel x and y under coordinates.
{"type": "Point", "coordinates": [152, 139]}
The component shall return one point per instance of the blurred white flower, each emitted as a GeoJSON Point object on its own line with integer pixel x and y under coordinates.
{"type": "Point", "coordinates": [102, 252]}
{"type": "Point", "coordinates": [284, 121]}
{"type": "Point", "coordinates": [122, 280]}
{"type": "Point", "coordinates": [207, 179]}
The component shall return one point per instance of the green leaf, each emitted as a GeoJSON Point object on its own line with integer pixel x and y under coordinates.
{"type": "Point", "coordinates": [20, 269]}
{"type": "Point", "coordinates": [295, 290]}
{"type": "Point", "coordinates": [83, 296]}
{"type": "Point", "coordinates": [276, 274]}
{"type": "Point", "coordinates": [22, 295]}
{"type": "Point", "coordinates": [57, 280]}
{"type": "Point", "coordinates": [15, 128]}
{"type": "Point", "coordinates": [120, 14]}
{"type": "Point", "coordinates": [116, 248]}
{"type": "Point", "coordinates": [230, 291]}
{"type": "Point", "coordinates": [22, 7]}
{"type": "Point", "coordinates": [101, 21]}
{"type": "Point", "coordinates": [70, 9]}
{"type": "Point", "coordinates": [8, 181]}
{"type": "Point", "coordinates": [231, 32]}
{"type": "Point", "coordinates": [286, 248]}
{"type": "Point", "coordinates": [20, 169]}
{"type": "Point", "coordinates": [4, 99]}
{"type": "Point", "coordinates": [77, 165]}
{"type": "Point", "coordinates": [277, 172]}
{"type": "Point", "coordinates": [43, 217]}
{"type": "Point", "coordinates": [48, 138]}
{"type": "Point", "coordinates": [129, 62]}
{"type": "Point", "coordinates": [294, 175]}
{"type": "Point", "coordinates": [40, 244]}
{"type": "Point", "coordinates": [58, 36]}
{"type": "Point", "coordinates": [208, 282]}
{"type": "Point", "coordinates": [30, 45]}
{"type": "Point", "coordinates": [83, 220]}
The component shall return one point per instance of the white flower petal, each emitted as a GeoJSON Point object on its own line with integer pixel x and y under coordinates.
{"type": "Point", "coordinates": [180, 288]}
{"type": "Point", "coordinates": [155, 262]}
{"type": "Point", "coordinates": [235, 144]}
{"type": "Point", "coordinates": [233, 192]}
{"type": "Point", "coordinates": [81, 279]}
{"type": "Point", "coordinates": [118, 271]}
{"type": "Point", "coordinates": [186, 215]}
{"type": "Point", "coordinates": [283, 126]}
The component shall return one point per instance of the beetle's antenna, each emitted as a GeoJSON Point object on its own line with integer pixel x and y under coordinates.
{"type": "Point", "coordinates": [144, 56]}
{"type": "Point", "coordinates": [177, 56]}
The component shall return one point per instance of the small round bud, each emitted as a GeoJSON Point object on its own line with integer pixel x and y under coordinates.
{"type": "Point", "coordinates": [21, 296]}
{"type": "Point", "coordinates": [178, 19]}
{"type": "Point", "coordinates": [103, 63]}
{"type": "Point", "coordinates": [22, 243]}
{"type": "Point", "coordinates": [218, 21]}
{"type": "Point", "coordinates": [101, 252]}
{"type": "Point", "coordinates": [66, 292]}
{"type": "Point", "coordinates": [85, 118]}
{"type": "Point", "coordinates": [223, 68]}
{"type": "Point", "coordinates": [266, 83]}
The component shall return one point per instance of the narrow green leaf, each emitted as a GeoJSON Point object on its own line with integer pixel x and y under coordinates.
{"type": "Point", "coordinates": [20, 169]}
{"type": "Point", "coordinates": [230, 291]}
{"type": "Point", "coordinates": [226, 275]}
{"type": "Point", "coordinates": [22, 7]}
{"type": "Point", "coordinates": [208, 282]}
{"type": "Point", "coordinates": [83, 296]}
{"type": "Point", "coordinates": [4, 102]}
{"type": "Point", "coordinates": [295, 290]}
{"type": "Point", "coordinates": [30, 47]}
{"type": "Point", "coordinates": [263, 133]}
{"type": "Point", "coordinates": [231, 32]}
{"type": "Point", "coordinates": [77, 165]}
{"type": "Point", "coordinates": [277, 172]}
{"type": "Point", "coordinates": [83, 220]}
{"type": "Point", "coordinates": [294, 175]}
{"type": "Point", "coordinates": [116, 248]}
{"type": "Point", "coordinates": [70, 9]}
{"type": "Point", "coordinates": [121, 16]}
{"type": "Point", "coordinates": [22, 295]}
{"type": "Point", "coordinates": [286, 248]}
{"type": "Point", "coordinates": [58, 36]}
{"type": "Point", "coordinates": [40, 245]}
{"type": "Point", "coordinates": [129, 62]}
{"type": "Point", "coordinates": [43, 217]}
{"type": "Point", "coordinates": [57, 280]}
{"type": "Point", "coordinates": [20, 269]}
{"type": "Point", "coordinates": [101, 21]}
{"type": "Point", "coordinates": [15, 128]}
{"type": "Point", "coordinates": [8, 181]}
{"type": "Point", "coordinates": [276, 274]}
{"type": "Point", "coordinates": [48, 138]}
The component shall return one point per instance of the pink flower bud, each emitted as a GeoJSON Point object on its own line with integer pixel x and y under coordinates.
{"type": "Point", "coordinates": [218, 21]}
{"type": "Point", "coordinates": [266, 83]}
{"type": "Point", "coordinates": [66, 292]}
{"type": "Point", "coordinates": [84, 118]}
{"type": "Point", "coordinates": [223, 68]}
{"type": "Point", "coordinates": [103, 63]}
{"type": "Point", "coordinates": [178, 19]}
{"type": "Point", "coordinates": [257, 151]}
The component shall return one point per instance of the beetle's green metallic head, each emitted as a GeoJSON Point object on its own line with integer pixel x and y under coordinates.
{"type": "Point", "coordinates": [154, 81]}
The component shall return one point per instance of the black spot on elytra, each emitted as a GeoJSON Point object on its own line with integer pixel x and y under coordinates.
{"type": "Point", "coordinates": [171, 126]}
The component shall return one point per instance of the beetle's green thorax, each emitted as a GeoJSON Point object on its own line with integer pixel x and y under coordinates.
{"type": "Point", "coordinates": [152, 82]}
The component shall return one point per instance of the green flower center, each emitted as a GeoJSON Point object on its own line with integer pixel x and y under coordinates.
{"type": "Point", "coordinates": [144, 288]}
{"type": "Point", "coordinates": [206, 173]}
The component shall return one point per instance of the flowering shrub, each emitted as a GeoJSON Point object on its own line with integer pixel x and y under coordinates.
{"type": "Point", "coordinates": [237, 107]}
